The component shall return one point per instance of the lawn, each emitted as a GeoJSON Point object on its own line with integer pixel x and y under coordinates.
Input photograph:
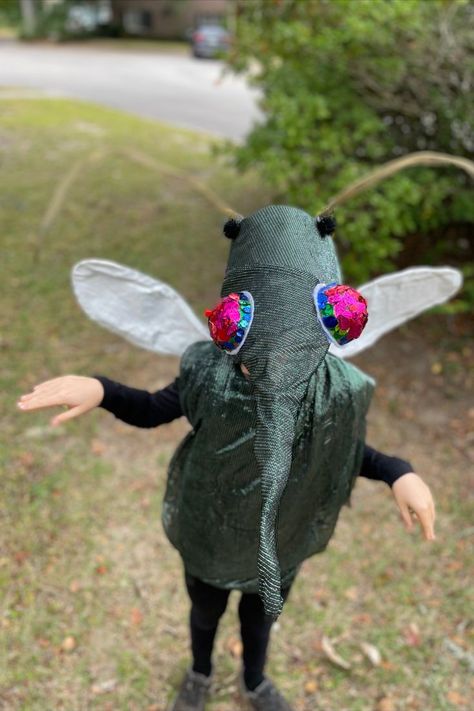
{"type": "Point", "coordinates": [93, 612]}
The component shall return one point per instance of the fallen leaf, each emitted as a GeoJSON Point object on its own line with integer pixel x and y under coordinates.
{"type": "Point", "coordinates": [68, 644]}
{"type": "Point", "coordinates": [332, 655]}
{"type": "Point", "coordinates": [21, 556]}
{"type": "Point", "coordinates": [234, 646]}
{"type": "Point", "coordinates": [363, 618]}
{"type": "Point", "coordinates": [97, 447]}
{"type": "Point", "coordinates": [412, 635]}
{"type": "Point", "coordinates": [26, 458]}
{"type": "Point", "coordinates": [311, 687]}
{"type": "Point", "coordinates": [372, 653]}
{"type": "Point", "coordinates": [455, 565]}
{"type": "Point", "coordinates": [142, 484]}
{"type": "Point", "coordinates": [351, 593]}
{"type": "Point", "coordinates": [456, 698]}
{"type": "Point", "coordinates": [101, 569]}
{"type": "Point", "coordinates": [136, 616]}
{"type": "Point", "coordinates": [385, 704]}
{"type": "Point", "coordinates": [42, 642]}
{"type": "Point", "coordinates": [103, 687]}
{"type": "Point", "coordinates": [321, 595]}
{"type": "Point", "coordinates": [437, 368]}
{"type": "Point", "coordinates": [74, 586]}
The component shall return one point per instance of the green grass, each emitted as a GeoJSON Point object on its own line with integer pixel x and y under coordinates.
{"type": "Point", "coordinates": [82, 553]}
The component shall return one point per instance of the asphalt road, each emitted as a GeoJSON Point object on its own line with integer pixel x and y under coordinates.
{"type": "Point", "coordinates": [177, 89]}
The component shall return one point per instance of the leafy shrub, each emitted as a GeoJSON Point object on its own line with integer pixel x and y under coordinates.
{"type": "Point", "coordinates": [349, 85]}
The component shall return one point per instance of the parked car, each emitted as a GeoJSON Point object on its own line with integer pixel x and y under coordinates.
{"type": "Point", "coordinates": [210, 41]}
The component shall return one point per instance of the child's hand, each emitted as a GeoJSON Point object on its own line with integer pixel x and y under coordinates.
{"type": "Point", "coordinates": [414, 496]}
{"type": "Point", "coordinates": [77, 393]}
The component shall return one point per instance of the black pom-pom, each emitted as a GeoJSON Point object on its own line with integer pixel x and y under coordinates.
{"type": "Point", "coordinates": [231, 228]}
{"type": "Point", "coordinates": [326, 225]}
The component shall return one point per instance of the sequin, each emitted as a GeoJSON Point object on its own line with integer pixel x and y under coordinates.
{"type": "Point", "coordinates": [342, 311]}
{"type": "Point", "coordinates": [230, 321]}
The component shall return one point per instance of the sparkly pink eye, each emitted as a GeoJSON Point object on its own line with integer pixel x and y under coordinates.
{"type": "Point", "coordinates": [342, 312]}
{"type": "Point", "coordinates": [230, 321]}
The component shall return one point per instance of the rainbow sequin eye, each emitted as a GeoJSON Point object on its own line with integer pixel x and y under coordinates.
{"type": "Point", "coordinates": [230, 321]}
{"type": "Point", "coordinates": [342, 312]}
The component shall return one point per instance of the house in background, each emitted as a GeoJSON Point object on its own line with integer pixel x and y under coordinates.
{"type": "Point", "coordinates": [170, 19]}
{"type": "Point", "coordinates": [163, 19]}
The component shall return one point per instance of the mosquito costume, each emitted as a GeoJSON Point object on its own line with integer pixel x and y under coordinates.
{"type": "Point", "coordinates": [257, 485]}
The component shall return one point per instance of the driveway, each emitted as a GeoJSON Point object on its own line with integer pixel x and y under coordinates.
{"type": "Point", "coordinates": [177, 89]}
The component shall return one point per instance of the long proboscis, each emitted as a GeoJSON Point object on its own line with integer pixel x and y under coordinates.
{"type": "Point", "coordinates": [411, 160]}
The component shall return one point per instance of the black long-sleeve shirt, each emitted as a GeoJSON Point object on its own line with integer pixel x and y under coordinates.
{"type": "Point", "coordinates": [144, 409]}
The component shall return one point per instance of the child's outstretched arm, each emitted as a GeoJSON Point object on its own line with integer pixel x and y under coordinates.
{"type": "Point", "coordinates": [414, 496]}
{"type": "Point", "coordinates": [81, 394]}
{"type": "Point", "coordinates": [409, 490]}
{"type": "Point", "coordinates": [76, 392]}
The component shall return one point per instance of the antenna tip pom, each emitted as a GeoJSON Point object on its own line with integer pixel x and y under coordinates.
{"type": "Point", "coordinates": [231, 228]}
{"type": "Point", "coordinates": [326, 225]}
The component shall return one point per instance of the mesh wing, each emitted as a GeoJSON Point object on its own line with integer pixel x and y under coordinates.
{"type": "Point", "coordinates": [145, 311]}
{"type": "Point", "coordinates": [396, 298]}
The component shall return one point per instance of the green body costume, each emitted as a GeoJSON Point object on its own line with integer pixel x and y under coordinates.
{"type": "Point", "coordinates": [258, 484]}
{"type": "Point", "coordinates": [213, 500]}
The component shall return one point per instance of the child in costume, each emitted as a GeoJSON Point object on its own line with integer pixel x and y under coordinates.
{"type": "Point", "coordinates": [277, 439]}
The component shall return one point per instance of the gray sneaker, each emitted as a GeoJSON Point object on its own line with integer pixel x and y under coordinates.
{"type": "Point", "coordinates": [192, 693]}
{"type": "Point", "coordinates": [265, 697]}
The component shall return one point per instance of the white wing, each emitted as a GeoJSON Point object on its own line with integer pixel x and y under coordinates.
{"type": "Point", "coordinates": [145, 311]}
{"type": "Point", "coordinates": [399, 297]}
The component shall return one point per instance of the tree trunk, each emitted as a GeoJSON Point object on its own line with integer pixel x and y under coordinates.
{"type": "Point", "coordinates": [28, 14]}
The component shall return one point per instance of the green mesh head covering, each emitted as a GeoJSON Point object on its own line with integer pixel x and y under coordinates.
{"type": "Point", "coordinates": [279, 256]}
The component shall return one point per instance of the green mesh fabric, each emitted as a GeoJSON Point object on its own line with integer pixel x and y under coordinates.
{"type": "Point", "coordinates": [258, 485]}
{"type": "Point", "coordinates": [213, 500]}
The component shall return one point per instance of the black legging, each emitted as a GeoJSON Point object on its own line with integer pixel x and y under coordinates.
{"type": "Point", "coordinates": [208, 606]}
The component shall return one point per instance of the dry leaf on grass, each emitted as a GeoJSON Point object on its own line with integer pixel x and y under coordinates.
{"type": "Point", "coordinates": [26, 459]}
{"type": "Point", "coordinates": [321, 595]}
{"type": "Point", "coordinates": [103, 687]}
{"type": "Point", "coordinates": [234, 646]}
{"type": "Point", "coordinates": [97, 447]}
{"type": "Point", "coordinates": [351, 593]}
{"type": "Point", "coordinates": [136, 616]}
{"type": "Point", "coordinates": [363, 619]}
{"type": "Point", "coordinates": [68, 644]}
{"type": "Point", "coordinates": [385, 704]}
{"type": "Point", "coordinates": [311, 687]}
{"type": "Point", "coordinates": [454, 697]}
{"type": "Point", "coordinates": [332, 655]}
{"type": "Point", "coordinates": [454, 565]}
{"type": "Point", "coordinates": [412, 635]}
{"type": "Point", "coordinates": [372, 653]}
{"type": "Point", "coordinates": [21, 556]}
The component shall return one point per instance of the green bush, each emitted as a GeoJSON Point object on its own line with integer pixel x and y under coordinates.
{"type": "Point", "coordinates": [349, 85]}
